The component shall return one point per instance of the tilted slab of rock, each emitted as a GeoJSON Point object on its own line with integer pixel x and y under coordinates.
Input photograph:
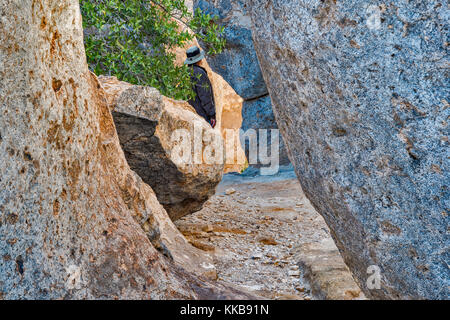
{"type": "Point", "coordinates": [75, 221]}
{"type": "Point", "coordinates": [360, 94]}
{"type": "Point", "coordinates": [146, 121]}
{"type": "Point", "coordinates": [325, 271]}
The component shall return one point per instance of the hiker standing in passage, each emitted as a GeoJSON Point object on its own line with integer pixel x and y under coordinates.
{"type": "Point", "coordinates": [203, 102]}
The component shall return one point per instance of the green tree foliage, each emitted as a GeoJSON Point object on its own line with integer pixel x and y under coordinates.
{"type": "Point", "coordinates": [132, 40]}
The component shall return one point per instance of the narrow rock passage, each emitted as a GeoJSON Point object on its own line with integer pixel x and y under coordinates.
{"type": "Point", "coordinates": [266, 237]}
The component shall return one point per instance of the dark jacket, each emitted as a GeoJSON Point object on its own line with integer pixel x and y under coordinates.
{"type": "Point", "coordinates": [204, 98]}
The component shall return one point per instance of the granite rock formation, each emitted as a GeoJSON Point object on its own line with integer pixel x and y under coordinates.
{"type": "Point", "coordinates": [146, 122]}
{"type": "Point", "coordinates": [361, 97]}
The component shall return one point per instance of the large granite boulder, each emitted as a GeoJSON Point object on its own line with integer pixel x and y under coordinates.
{"type": "Point", "coordinates": [361, 95]}
{"type": "Point", "coordinates": [75, 221]}
{"type": "Point", "coordinates": [146, 123]}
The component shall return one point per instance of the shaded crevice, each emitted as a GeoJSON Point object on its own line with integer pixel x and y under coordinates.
{"type": "Point", "coordinates": [258, 97]}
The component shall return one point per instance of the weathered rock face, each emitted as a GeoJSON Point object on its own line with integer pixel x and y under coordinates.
{"type": "Point", "coordinates": [258, 114]}
{"type": "Point", "coordinates": [360, 95]}
{"type": "Point", "coordinates": [230, 119]}
{"type": "Point", "coordinates": [146, 123]}
{"type": "Point", "coordinates": [75, 221]}
{"type": "Point", "coordinates": [239, 66]}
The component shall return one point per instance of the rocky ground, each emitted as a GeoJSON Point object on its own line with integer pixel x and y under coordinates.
{"type": "Point", "coordinates": [265, 236]}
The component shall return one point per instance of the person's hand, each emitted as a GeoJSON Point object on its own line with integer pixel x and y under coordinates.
{"type": "Point", "coordinates": [213, 122]}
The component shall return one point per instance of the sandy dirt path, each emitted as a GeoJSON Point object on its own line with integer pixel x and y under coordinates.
{"type": "Point", "coordinates": [265, 236]}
